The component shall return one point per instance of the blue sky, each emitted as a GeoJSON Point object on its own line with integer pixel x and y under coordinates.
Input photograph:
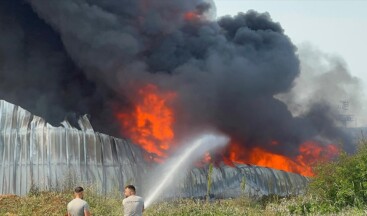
{"type": "Point", "coordinates": [336, 27]}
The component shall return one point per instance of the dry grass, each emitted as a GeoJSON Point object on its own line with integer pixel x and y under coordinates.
{"type": "Point", "coordinates": [42, 204]}
{"type": "Point", "coordinates": [54, 203]}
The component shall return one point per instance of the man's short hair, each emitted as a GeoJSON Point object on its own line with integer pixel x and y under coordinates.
{"type": "Point", "coordinates": [78, 189]}
{"type": "Point", "coordinates": [131, 187]}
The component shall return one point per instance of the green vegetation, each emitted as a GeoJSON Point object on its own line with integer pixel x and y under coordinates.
{"type": "Point", "coordinates": [243, 184]}
{"type": "Point", "coordinates": [209, 182]}
{"type": "Point", "coordinates": [338, 185]}
{"type": "Point", "coordinates": [54, 203]}
{"type": "Point", "coordinates": [339, 188]}
{"type": "Point", "coordinates": [50, 203]}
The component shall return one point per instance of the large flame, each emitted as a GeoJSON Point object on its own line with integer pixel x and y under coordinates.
{"type": "Point", "coordinates": [310, 153]}
{"type": "Point", "coordinates": [150, 125]}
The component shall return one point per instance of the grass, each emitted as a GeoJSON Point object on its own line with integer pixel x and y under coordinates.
{"type": "Point", "coordinates": [54, 203]}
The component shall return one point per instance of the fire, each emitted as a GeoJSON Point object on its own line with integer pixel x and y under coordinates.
{"type": "Point", "coordinates": [151, 122]}
{"type": "Point", "coordinates": [268, 159]}
{"type": "Point", "coordinates": [150, 125]}
{"type": "Point", "coordinates": [310, 153]}
{"type": "Point", "coordinates": [205, 160]}
{"type": "Point", "coordinates": [191, 16]}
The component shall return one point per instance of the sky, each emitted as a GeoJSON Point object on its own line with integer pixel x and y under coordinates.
{"type": "Point", "coordinates": [336, 27]}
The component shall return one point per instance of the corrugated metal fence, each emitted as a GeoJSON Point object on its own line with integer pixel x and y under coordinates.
{"type": "Point", "coordinates": [33, 152]}
{"type": "Point", "coordinates": [253, 181]}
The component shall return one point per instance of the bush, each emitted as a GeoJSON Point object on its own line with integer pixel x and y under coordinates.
{"type": "Point", "coordinates": [338, 184]}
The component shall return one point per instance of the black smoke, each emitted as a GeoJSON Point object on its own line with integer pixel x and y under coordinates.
{"type": "Point", "coordinates": [90, 56]}
{"type": "Point", "coordinates": [38, 74]}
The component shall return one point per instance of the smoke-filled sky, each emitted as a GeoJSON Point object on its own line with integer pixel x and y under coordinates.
{"type": "Point", "coordinates": [336, 28]}
{"type": "Point", "coordinates": [239, 74]}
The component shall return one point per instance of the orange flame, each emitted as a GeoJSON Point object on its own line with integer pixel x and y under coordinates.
{"type": "Point", "coordinates": [191, 16]}
{"type": "Point", "coordinates": [205, 160]}
{"type": "Point", "coordinates": [150, 125]}
{"type": "Point", "coordinates": [310, 153]}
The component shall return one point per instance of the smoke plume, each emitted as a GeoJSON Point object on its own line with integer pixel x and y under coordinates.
{"type": "Point", "coordinates": [89, 56]}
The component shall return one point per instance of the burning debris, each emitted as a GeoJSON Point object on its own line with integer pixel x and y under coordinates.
{"type": "Point", "coordinates": [160, 71]}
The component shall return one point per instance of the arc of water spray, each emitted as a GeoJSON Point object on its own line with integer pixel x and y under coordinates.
{"type": "Point", "coordinates": [202, 145]}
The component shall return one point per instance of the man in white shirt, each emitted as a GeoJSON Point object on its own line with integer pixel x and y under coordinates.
{"type": "Point", "coordinates": [78, 207]}
{"type": "Point", "coordinates": [133, 205]}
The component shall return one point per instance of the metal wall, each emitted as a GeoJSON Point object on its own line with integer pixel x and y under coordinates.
{"type": "Point", "coordinates": [33, 152]}
{"type": "Point", "coordinates": [253, 181]}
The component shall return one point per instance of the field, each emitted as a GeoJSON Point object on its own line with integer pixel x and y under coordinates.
{"type": "Point", "coordinates": [51, 203]}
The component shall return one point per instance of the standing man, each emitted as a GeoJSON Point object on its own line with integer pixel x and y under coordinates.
{"type": "Point", "coordinates": [133, 205]}
{"type": "Point", "coordinates": [78, 207]}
